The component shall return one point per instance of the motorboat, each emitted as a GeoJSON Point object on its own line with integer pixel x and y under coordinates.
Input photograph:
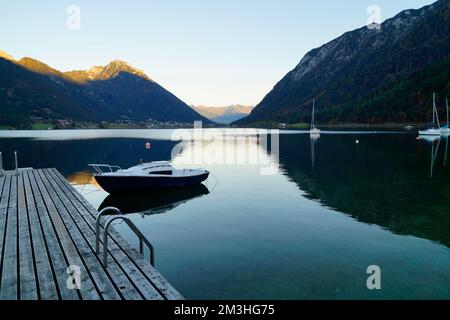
{"type": "Point", "coordinates": [152, 175]}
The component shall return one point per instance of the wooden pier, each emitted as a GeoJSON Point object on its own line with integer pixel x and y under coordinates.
{"type": "Point", "coordinates": [46, 226]}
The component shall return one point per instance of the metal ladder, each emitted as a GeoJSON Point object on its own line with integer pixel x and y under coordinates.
{"type": "Point", "coordinates": [117, 215]}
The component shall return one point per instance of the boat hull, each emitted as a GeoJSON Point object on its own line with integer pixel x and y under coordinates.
{"type": "Point", "coordinates": [430, 133]}
{"type": "Point", "coordinates": [116, 184]}
{"type": "Point", "coordinates": [314, 133]}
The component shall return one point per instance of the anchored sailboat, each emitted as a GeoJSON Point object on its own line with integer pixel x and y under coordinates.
{"type": "Point", "coordinates": [314, 132]}
{"type": "Point", "coordinates": [445, 129]}
{"type": "Point", "coordinates": [436, 129]}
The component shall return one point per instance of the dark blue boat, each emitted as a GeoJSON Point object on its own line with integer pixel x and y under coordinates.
{"type": "Point", "coordinates": [146, 176]}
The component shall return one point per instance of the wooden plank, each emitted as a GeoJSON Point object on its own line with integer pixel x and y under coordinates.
{"type": "Point", "coordinates": [2, 183]}
{"type": "Point", "coordinates": [46, 226]}
{"type": "Point", "coordinates": [4, 197]}
{"type": "Point", "coordinates": [153, 275]}
{"type": "Point", "coordinates": [85, 220]}
{"type": "Point", "coordinates": [118, 276]}
{"type": "Point", "coordinates": [9, 289]}
{"type": "Point", "coordinates": [141, 283]}
{"type": "Point", "coordinates": [58, 260]}
{"type": "Point", "coordinates": [27, 277]}
{"type": "Point", "coordinates": [93, 263]}
{"type": "Point", "coordinates": [46, 279]}
{"type": "Point", "coordinates": [88, 290]}
{"type": "Point", "coordinates": [69, 233]}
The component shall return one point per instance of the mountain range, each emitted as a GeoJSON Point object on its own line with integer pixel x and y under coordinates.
{"type": "Point", "coordinates": [369, 75]}
{"type": "Point", "coordinates": [366, 76]}
{"type": "Point", "coordinates": [224, 115]}
{"type": "Point", "coordinates": [30, 89]}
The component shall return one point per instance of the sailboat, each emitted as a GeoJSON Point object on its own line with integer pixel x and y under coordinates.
{"type": "Point", "coordinates": [445, 130]}
{"type": "Point", "coordinates": [435, 131]}
{"type": "Point", "coordinates": [314, 132]}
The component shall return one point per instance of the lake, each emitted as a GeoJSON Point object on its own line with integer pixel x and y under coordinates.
{"type": "Point", "coordinates": [335, 206]}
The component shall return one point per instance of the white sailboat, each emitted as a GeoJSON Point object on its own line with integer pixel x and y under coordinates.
{"type": "Point", "coordinates": [445, 130]}
{"type": "Point", "coordinates": [314, 132]}
{"type": "Point", "coordinates": [436, 130]}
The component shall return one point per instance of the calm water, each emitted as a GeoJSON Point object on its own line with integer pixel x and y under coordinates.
{"type": "Point", "coordinates": [310, 231]}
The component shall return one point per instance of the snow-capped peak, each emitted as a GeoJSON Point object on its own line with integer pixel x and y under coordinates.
{"type": "Point", "coordinates": [117, 66]}
{"type": "Point", "coordinates": [94, 71]}
{"type": "Point", "coordinates": [110, 71]}
{"type": "Point", "coordinates": [5, 55]}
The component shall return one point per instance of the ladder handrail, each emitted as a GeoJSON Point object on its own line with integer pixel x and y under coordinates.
{"type": "Point", "coordinates": [103, 212]}
{"type": "Point", "coordinates": [16, 164]}
{"type": "Point", "coordinates": [142, 239]}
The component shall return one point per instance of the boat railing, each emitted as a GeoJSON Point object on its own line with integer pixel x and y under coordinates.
{"type": "Point", "coordinates": [104, 168]}
{"type": "Point", "coordinates": [116, 215]}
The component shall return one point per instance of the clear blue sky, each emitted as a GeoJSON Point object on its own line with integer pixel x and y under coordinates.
{"type": "Point", "coordinates": [205, 51]}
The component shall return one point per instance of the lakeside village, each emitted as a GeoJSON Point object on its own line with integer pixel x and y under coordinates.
{"type": "Point", "coordinates": [37, 123]}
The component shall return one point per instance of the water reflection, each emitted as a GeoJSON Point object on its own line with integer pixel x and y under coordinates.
{"type": "Point", "coordinates": [435, 144]}
{"type": "Point", "coordinates": [154, 202]}
{"type": "Point", "coordinates": [378, 181]}
{"type": "Point", "coordinates": [446, 152]}
{"type": "Point", "coordinates": [383, 180]}
{"type": "Point", "coordinates": [313, 140]}
{"type": "Point", "coordinates": [83, 178]}
{"type": "Point", "coordinates": [434, 154]}
{"type": "Point", "coordinates": [226, 152]}
{"type": "Point", "coordinates": [302, 233]}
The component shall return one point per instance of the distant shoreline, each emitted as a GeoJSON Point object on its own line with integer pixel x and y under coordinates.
{"type": "Point", "coordinates": [301, 126]}
{"type": "Point", "coordinates": [306, 126]}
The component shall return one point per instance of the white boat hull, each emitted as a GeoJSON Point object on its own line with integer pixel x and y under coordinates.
{"type": "Point", "coordinates": [445, 132]}
{"type": "Point", "coordinates": [430, 132]}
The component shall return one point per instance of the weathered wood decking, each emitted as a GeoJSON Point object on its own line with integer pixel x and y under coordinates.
{"type": "Point", "coordinates": [47, 226]}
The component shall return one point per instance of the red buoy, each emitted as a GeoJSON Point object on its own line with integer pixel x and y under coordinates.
{"type": "Point", "coordinates": [148, 146]}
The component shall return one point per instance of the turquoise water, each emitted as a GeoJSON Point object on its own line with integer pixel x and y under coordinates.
{"type": "Point", "coordinates": [309, 231]}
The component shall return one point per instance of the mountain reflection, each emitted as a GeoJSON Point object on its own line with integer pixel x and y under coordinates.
{"type": "Point", "coordinates": [380, 180]}
{"type": "Point", "coordinates": [83, 178]}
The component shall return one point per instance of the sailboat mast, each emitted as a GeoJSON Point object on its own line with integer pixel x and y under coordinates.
{"type": "Point", "coordinates": [446, 104]}
{"type": "Point", "coordinates": [314, 110]}
{"type": "Point", "coordinates": [435, 110]}
{"type": "Point", "coordinates": [434, 113]}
